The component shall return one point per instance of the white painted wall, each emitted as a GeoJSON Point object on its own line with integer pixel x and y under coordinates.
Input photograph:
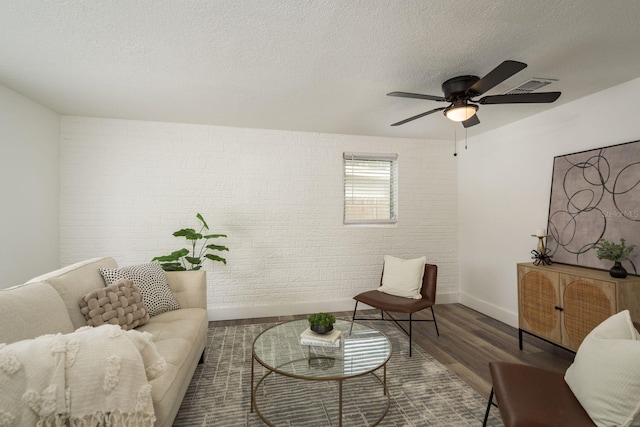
{"type": "Point", "coordinates": [127, 185]}
{"type": "Point", "coordinates": [29, 174]}
{"type": "Point", "coordinates": [505, 184]}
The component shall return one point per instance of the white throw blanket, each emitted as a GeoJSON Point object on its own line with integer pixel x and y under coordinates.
{"type": "Point", "coordinates": [91, 377]}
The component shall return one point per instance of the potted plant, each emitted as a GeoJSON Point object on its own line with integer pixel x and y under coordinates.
{"type": "Point", "coordinates": [321, 323]}
{"type": "Point", "coordinates": [616, 252]}
{"type": "Point", "coordinates": [184, 259]}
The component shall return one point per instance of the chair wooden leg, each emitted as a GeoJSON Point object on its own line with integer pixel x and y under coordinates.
{"type": "Point", "coordinates": [486, 414]}
{"type": "Point", "coordinates": [433, 313]}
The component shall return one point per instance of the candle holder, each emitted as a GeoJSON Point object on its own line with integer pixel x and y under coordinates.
{"type": "Point", "coordinates": [541, 256]}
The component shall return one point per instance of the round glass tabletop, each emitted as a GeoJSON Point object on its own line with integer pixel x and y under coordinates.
{"type": "Point", "coordinates": [362, 350]}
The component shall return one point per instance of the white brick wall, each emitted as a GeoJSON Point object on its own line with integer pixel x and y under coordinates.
{"type": "Point", "coordinates": [127, 185]}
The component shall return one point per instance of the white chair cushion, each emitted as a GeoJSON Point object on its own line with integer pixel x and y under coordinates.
{"type": "Point", "coordinates": [403, 277]}
{"type": "Point", "coordinates": [605, 374]}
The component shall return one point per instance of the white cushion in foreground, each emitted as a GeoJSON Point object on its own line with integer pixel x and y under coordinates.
{"type": "Point", "coordinates": [403, 277]}
{"type": "Point", "coordinates": [605, 374]}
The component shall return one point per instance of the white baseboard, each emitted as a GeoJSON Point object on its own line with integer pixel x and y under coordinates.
{"type": "Point", "coordinates": [491, 310]}
{"type": "Point", "coordinates": [448, 298]}
{"type": "Point", "coordinates": [254, 312]}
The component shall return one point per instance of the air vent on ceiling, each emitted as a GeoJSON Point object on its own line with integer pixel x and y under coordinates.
{"type": "Point", "coordinates": [530, 85]}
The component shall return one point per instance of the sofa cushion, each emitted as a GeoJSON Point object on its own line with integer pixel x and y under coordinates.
{"type": "Point", "coordinates": [118, 304]}
{"type": "Point", "coordinates": [30, 310]}
{"type": "Point", "coordinates": [605, 374]}
{"type": "Point", "coordinates": [403, 277]}
{"type": "Point", "coordinates": [75, 281]}
{"type": "Point", "coordinates": [180, 337]}
{"type": "Point", "coordinates": [151, 281]}
{"type": "Point", "coordinates": [189, 288]}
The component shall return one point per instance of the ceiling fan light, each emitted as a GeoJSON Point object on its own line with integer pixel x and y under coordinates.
{"type": "Point", "coordinates": [460, 113]}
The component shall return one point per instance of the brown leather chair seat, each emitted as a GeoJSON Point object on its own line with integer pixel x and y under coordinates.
{"type": "Point", "coordinates": [530, 396]}
{"type": "Point", "coordinates": [393, 303]}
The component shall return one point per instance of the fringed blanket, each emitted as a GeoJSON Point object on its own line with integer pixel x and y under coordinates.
{"type": "Point", "coordinates": [91, 377]}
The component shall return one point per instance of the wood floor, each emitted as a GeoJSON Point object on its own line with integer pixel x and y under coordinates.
{"type": "Point", "coordinates": [468, 341]}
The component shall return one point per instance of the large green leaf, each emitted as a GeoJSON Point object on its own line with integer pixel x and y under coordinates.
{"type": "Point", "coordinates": [217, 248]}
{"type": "Point", "coordinates": [204, 223]}
{"type": "Point", "coordinates": [214, 236]}
{"type": "Point", "coordinates": [184, 232]}
{"type": "Point", "coordinates": [193, 260]}
{"type": "Point", "coordinates": [216, 258]}
{"type": "Point", "coordinates": [188, 233]}
{"type": "Point", "coordinates": [175, 256]}
{"type": "Point", "coordinates": [172, 266]}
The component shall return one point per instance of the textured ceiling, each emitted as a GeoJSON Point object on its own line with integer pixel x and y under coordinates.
{"type": "Point", "coordinates": [320, 66]}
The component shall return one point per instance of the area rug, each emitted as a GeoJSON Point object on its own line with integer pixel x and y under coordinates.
{"type": "Point", "coordinates": [422, 391]}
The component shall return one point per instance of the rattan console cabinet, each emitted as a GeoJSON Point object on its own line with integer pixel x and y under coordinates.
{"type": "Point", "coordinates": [563, 303]}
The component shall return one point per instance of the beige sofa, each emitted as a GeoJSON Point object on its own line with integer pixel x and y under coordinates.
{"type": "Point", "coordinates": [49, 304]}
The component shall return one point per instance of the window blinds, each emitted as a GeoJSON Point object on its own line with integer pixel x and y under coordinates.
{"type": "Point", "coordinates": [370, 188]}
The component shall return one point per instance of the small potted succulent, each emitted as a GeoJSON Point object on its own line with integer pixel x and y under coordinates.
{"type": "Point", "coordinates": [615, 252]}
{"type": "Point", "coordinates": [321, 323]}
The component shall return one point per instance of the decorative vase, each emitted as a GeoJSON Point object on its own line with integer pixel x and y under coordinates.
{"type": "Point", "coordinates": [324, 329]}
{"type": "Point", "coordinates": [618, 271]}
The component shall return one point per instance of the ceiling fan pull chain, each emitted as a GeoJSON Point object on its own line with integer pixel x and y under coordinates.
{"type": "Point", "coordinates": [465, 138]}
{"type": "Point", "coordinates": [455, 142]}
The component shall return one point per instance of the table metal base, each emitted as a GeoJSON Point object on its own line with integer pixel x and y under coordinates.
{"type": "Point", "coordinates": [270, 370]}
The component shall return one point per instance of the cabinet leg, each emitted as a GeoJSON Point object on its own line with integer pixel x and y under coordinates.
{"type": "Point", "coordinates": [520, 338]}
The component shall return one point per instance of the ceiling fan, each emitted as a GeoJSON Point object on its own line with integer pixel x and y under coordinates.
{"type": "Point", "coordinates": [460, 91]}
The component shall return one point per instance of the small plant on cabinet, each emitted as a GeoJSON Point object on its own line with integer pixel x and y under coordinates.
{"type": "Point", "coordinates": [613, 251]}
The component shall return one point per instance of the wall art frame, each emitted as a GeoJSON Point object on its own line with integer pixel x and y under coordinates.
{"type": "Point", "coordinates": [595, 194]}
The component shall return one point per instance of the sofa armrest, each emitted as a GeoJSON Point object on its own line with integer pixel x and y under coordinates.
{"type": "Point", "coordinates": [189, 288]}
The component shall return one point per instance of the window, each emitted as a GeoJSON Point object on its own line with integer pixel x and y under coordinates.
{"type": "Point", "coordinates": [370, 188]}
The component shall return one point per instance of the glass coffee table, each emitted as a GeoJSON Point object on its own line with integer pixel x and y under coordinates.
{"type": "Point", "coordinates": [363, 350]}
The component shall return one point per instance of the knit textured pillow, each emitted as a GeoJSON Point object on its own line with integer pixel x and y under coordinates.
{"type": "Point", "coordinates": [117, 304]}
{"type": "Point", "coordinates": [151, 281]}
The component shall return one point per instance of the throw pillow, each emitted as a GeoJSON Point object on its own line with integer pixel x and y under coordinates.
{"type": "Point", "coordinates": [151, 281]}
{"type": "Point", "coordinates": [605, 374]}
{"type": "Point", "coordinates": [403, 277]}
{"type": "Point", "coordinates": [118, 304]}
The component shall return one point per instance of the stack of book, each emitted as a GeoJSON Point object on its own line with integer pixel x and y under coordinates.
{"type": "Point", "coordinates": [330, 339]}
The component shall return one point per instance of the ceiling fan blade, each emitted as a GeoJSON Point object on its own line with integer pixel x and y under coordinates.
{"type": "Point", "coordinates": [474, 120]}
{"type": "Point", "coordinates": [418, 116]}
{"type": "Point", "coordinates": [524, 98]}
{"type": "Point", "coordinates": [496, 76]}
{"type": "Point", "coordinates": [416, 96]}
